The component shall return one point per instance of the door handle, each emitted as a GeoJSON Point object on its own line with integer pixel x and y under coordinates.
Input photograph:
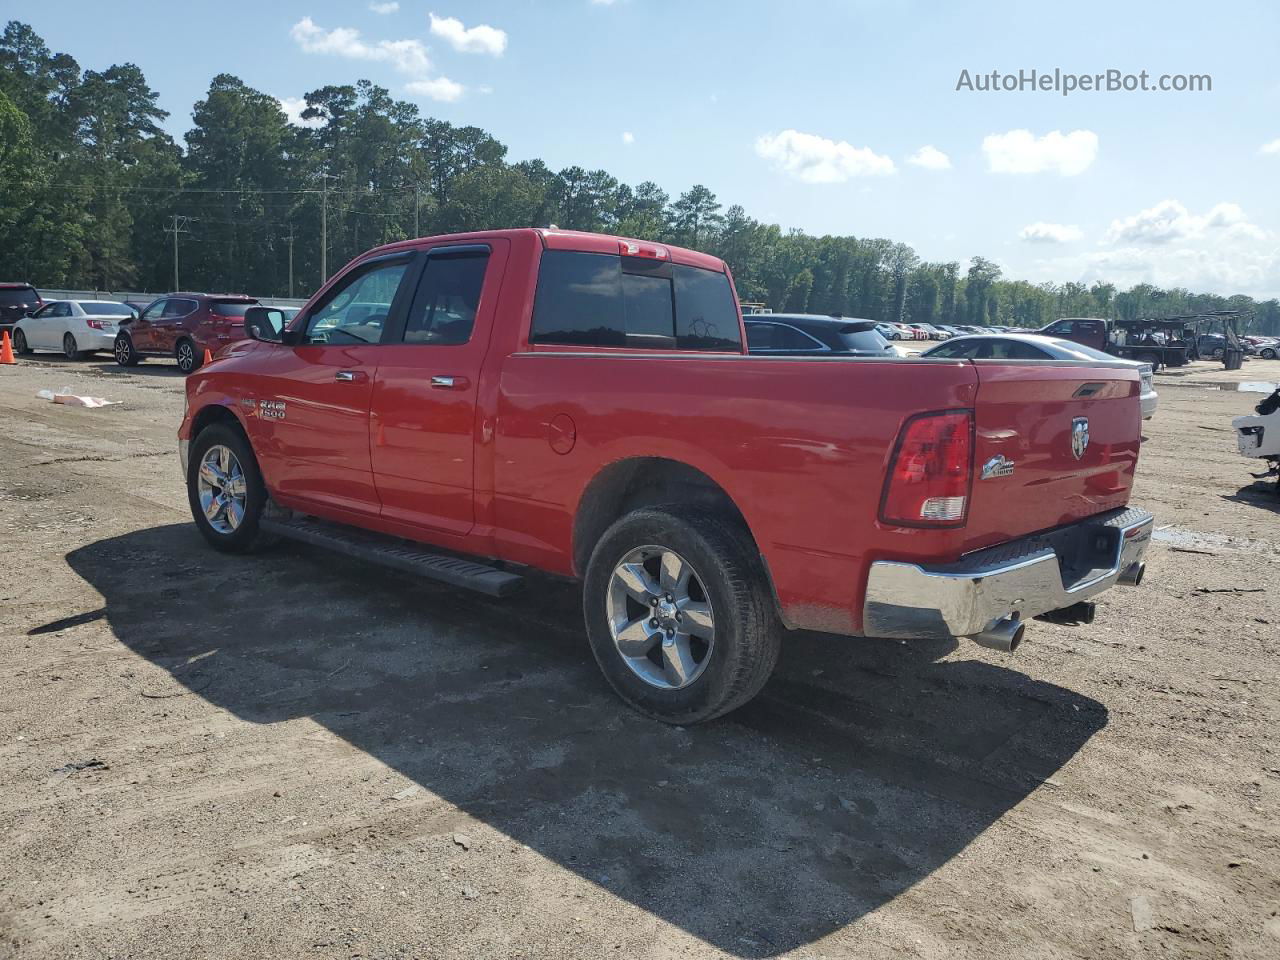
{"type": "Point", "coordinates": [448, 383]}
{"type": "Point", "coordinates": [350, 376]}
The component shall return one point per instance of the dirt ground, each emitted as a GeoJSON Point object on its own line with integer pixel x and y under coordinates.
{"type": "Point", "coordinates": [296, 755]}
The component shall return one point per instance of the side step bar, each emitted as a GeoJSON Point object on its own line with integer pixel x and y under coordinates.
{"type": "Point", "coordinates": [399, 554]}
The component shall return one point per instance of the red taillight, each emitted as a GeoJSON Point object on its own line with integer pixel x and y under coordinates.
{"type": "Point", "coordinates": [629, 248]}
{"type": "Point", "coordinates": [929, 477]}
{"type": "Point", "coordinates": [97, 324]}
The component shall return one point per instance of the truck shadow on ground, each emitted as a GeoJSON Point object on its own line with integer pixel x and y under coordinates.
{"type": "Point", "coordinates": [1260, 493]}
{"type": "Point", "coordinates": [865, 766]}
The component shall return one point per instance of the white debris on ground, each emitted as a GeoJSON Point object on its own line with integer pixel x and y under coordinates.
{"type": "Point", "coordinates": [65, 396]}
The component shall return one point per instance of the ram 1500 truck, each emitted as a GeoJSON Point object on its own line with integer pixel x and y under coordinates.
{"type": "Point", "coordinates": [470, 406]}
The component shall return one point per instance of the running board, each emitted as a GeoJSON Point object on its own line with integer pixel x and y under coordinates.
{"type": "Point", "coordinates": [399, 554]}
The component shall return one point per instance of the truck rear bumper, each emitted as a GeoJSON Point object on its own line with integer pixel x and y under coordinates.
{"type": "Point", "coordinates": [1020, 579]}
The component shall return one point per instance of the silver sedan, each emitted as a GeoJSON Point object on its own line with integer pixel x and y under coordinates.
{"type": "Point", "coordinates": [1031, 346]}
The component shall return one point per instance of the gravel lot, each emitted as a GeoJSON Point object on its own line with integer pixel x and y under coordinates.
{"type": "Point", "coordinates": [295, 755]}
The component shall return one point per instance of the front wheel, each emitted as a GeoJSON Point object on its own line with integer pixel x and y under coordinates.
{"type": "Point", "coordinates": [124, 351]}
{"type": "Point", "coordinates": [679, 614]}
{"type": "Point", "coordinates": [225, 488]}
{"type": "Point", "coordinates": [20, 344]}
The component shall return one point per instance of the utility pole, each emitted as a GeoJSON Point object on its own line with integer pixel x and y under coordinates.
{"type": "Point", "coordinates": [416, 231]}
{"type": "Point", "coordinates": [179, 226]}
{"type": "Point", "coordinates": [290, 240]}
{"type": "Point", "coordinates": [324, 226]}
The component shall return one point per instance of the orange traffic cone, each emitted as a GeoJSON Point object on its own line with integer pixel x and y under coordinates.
{"type": "Point", "coordinates": [6, 349]}
{"type": "Point", "coordinates": [208, 357]}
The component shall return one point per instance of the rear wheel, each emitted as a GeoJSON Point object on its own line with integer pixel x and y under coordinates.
{"type": "Point", "coordinates": [185, 354]}
{"type": "Point", "coordinates": [1267, 353]}
{"type": "Point", "coordinates": [123, 350]}
{"type": "Point", "coordinates": [20, 342]}
{"type": "Point", "coordinates": [225, 488]}
{"type": "Point", "coordinates": [1151, 358]}
{"type": "Point", "coordinates": [69, 347]}
{"type": "Point", "coordinates": [679, 614]}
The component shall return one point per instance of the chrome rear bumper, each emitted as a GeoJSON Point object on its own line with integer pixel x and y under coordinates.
{"type": "Point", "coordinates": [1022, 579]}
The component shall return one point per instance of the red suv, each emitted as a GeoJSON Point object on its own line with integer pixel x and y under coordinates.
{"type": "Point", "coordinates": [183, 326]}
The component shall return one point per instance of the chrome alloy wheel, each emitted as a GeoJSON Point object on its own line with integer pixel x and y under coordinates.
{"type": "Point", "coordinates": [221, 488]}
{"type": "Point", "coordinates": [660, 617]}
{"type": "Point", "coordinates": [186, 356]}
{"type": "Point", "coordinates": [123, 351]}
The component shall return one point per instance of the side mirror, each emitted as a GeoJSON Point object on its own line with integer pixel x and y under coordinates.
{"type": "Point", "coordinates": [264, 323]}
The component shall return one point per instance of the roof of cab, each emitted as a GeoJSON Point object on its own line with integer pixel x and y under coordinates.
{"type": "Point", "coordinates": [556, 239]}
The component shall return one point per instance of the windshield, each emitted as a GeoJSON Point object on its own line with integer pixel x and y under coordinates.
{"type": "Point", "coordinates": [24, 297]}
{"type": "Point", "coordinates": [106, 308]}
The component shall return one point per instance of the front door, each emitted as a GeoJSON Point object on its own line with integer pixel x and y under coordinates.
{"type": "Point", "coordinates": [424, 402]}
{"type": "Point", "coordinates": [142, 330]}
{"type": "Point", "coordinates": [44, 329]}
{"type": "Point", "coordinates": [310, 416]}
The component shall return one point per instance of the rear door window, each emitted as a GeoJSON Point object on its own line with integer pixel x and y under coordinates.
{"type": "Point", "coordinates": [448, 296]}
{"type": "Point", "coordinates": [177, 307]}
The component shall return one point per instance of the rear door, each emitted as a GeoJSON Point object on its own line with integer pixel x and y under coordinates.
{"type": "Point", "coordinates": [311, 406]}
{"type": "Point", "coordinates": [423, 421]}
{"type": "Point", "coordinates": [171, 323]}
{"type": "Point", "coordinates": [1056, 441]}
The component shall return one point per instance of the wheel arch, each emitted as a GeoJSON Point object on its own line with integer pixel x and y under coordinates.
{"type": "Point", "coordinates": [643, 481]}
{"type": "Point", "coordinates": [212, 413]}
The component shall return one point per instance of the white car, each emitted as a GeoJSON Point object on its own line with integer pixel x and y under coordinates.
{"type": "Point", "coordinates": [74, 328]}
{"type": "Point", "coordinates": [1031, 346]}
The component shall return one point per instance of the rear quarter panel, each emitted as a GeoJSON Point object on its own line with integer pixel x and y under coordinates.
{"type": "Point", "coordinates": [800, 445]}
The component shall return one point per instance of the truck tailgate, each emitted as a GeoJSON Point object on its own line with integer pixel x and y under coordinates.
{"type": "Point", "coordinates": [1055, 442]}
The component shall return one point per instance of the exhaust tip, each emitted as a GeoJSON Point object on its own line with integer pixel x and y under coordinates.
{"type": "Point", "coordinates": [1005, 635]}
{"type": "Point", "coordinates": [1132, 576]}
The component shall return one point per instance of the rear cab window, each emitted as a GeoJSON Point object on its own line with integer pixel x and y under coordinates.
{"type": "Point", "coordinates": [608, 300]}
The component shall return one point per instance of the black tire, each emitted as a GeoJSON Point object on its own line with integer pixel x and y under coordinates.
{"type": "Point", "coordinates": [187, 355]}
{"type": "Point", "coordinates": [1267, 353]}
{"type": "Point", "coordinates": [124, 352]}
{"type": "Point", "coordinates": [1151, 358]}
{"type": "Point", "coordinates": [245, 535]}
{"type": "Point", "coordinates": [20, 345]}
{"type": "Point", "coordinates": [69, 348]}
{"type": "Point", "coordinates": [747, 630]}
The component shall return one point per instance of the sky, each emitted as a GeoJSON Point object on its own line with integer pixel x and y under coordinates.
{"type": "Point", "coordinates": [832, 117]}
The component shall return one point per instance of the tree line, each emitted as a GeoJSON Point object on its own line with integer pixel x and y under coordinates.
{"type": "Point", "coordinates": [94, 189]}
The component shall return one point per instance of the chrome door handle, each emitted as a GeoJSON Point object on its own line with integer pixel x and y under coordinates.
{"type": "Point", "coordinates": [348, 376]}
{"type": "Point", "coordinates": [443, 383]}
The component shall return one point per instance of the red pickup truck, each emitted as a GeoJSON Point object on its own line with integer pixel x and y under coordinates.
{"type": "Point", "coordinates": [584, 405]}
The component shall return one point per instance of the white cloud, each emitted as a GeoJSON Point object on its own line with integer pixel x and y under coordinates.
{"type": "Point", "coordinates": [385, 8]}
{"type": "Point", "coordinates": [1021, 151]}
{"type": "Point", "coordinates": [478, 39]}
{"type": "Point", "coordinates": [1272, 147]}
{"type": "Point", "coordinates": [1041, 232]}
{"type": "Point", "coordinates": [814, 159]}
{"type": "Point", "coordinates": [628, 137]}
{"type": "Point", "coordinates": [1170, 221]}
{"type": "Point", "coordinates": [407, 56]}
{"type": "Point", "coordinates": [437, 88]}
{"type": "Point", "coordinates": [930, 157]}
{"type": "Point", "coordinates": [293, 107]}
